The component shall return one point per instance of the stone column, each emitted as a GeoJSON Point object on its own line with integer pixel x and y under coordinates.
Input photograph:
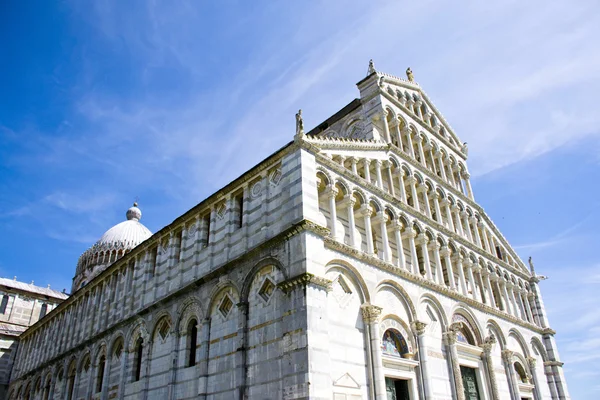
{"type": "Point", "coordinates": [488, 285]}
{"type": "Point", "coordinates": [418, 329]}
{"type": "Point", "coordinates": [466, 176]}
{"type": "Point", "coordinates": [349, 202]}
{"type": "Point", "coordinates": [450, 342]}
{"type": "Point", "coordinates": [106, 376]}
{"type": "Point", "coordinates": [400, 174]}
{"type": "Point", "coordinates": [421, 152]}
{"type": "Point", "coordinates": [486, 239]}
{"type": "Point", "coordinates": [446, 253]}
{"type": "Point", "coordinates": [436, 204]}
{"type": "Point", "coordinates": [366, 212]}
{"type": "Point", "coordinates": [122, 378]}
{"type": "Point", "coordinates": [469, 266]}
{"type": "Point", "coordinates": [424, 189]}
{"type": "Point", "coordinates": [513, 302]}
{"type": "Point", "coordinates": [382, 218]}
{"type": "Point", "coordinates": [412, 181]}
{"type": "Point", "coordinates": [354, 165]}
{"type": "Point", "coordinates": [446, 204]}
{"type": "Point", "coordinates": [388, 170]}
{"type": "Point", "coordinates": [423, 240]}
{"type": "Point", "coordinates": [331, 193]}
{"type": "Point", "coordinates": [439, 274]}
{"type": "Point", "coordinates": [487, 346]}
{"type": "Point", "coordinates": [410, 234]}
{"type": "Point", "coordinates": [378, 176]}
{"type": "Point", "coordinates": [525, 300]}
{"type": "Point", "coordinates": [531, 361]}
{"type": "Point", "coordinates": [240, 373]}
{"type": "Point", "coordinates": [450, 174]}
{"type": "Point", "coordinates": [397, 226]}
{"type": "Point", "coordinates": [507, 305]}
{"type": "Point", "coordinates": [476, 231]}
{"type": "Point", "coordinates": [458, 224]}
{"type": "Point", "coordinates": [398, 134]}
{"type": "Point", "coordinates": [411, 149]}
{"type": "Point", "coordinates": [465, 218]}
{"type": "Point", "coordinates": [458, 259]}
{"type": "Point", "coordinates": [441, 165]}
{"type": "Point", "coordinates": [507, 358]}
{"type": "Point", "coordinates": [370, 314]}
{"type": "Point", "coordinates": [367, 169]}
{"type": "Point", "coordinates": [203, 355]}
{"type": "Point", "coordinates": [386, 128]}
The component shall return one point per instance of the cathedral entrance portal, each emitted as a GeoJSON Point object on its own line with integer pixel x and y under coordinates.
{"type": "Point", "coordinates": [470, 383]}
{"type": "Point", "coordinates": [396, 389]}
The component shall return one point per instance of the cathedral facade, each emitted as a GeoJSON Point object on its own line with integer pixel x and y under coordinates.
{"type": "Point", "coordinates": [353, 263]}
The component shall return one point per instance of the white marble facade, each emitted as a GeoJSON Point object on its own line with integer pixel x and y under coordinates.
{"type": "Point", "coordinates": [351, 264]}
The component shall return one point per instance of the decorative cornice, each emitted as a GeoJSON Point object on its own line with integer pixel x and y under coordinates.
{"type": "Point", "coordinates": [303, 280]}
{"type": "Point", "coordinates": [409, 276]}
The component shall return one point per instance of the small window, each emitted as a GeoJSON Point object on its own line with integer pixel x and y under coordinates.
{"type": "Point", "coordinates": [239, 210]}
{"type": "Point", "coordinates": [521, 373]}
{"type": "Point", "coordinates": [266, 290]}
{"type": "Point", "coordinates": [153, 260]}
{"type": "Point", "coordinates": [100, 374]}
{"type": "Point", "coordinates": [206, 220]}
{"type": "Point", "coordinates": [225, 306]}
{"type": "Point", "coordinates": [139, 352]}
{"type": "Point", "coordinates": [4, 304]}
{"type": "Point", "coordinates": [499, 252]}
{"type": "Point", "coordinates": [178, 245]}
{"type": "Point", "coordinates": [43, 310]}
{"type": "Point", "coordinates": [192, 342]}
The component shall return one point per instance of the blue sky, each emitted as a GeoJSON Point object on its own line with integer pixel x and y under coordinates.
{"type": "Point", "coordinates": [102, 102]}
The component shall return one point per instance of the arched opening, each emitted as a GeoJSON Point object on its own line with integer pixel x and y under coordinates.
{"type": "Point", "coordinates": [521, 374]}
{"type": "Point", "coordinates": [137, 362]}
{"type": "Point", "coordinates": [71, 383]}
{"type": "Point", "coordinates": [192, 338]}
{"type": "Point", "coordinates": [393, 343]}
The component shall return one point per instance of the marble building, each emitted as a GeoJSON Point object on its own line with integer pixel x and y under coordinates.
{"type": "Point", "coordinates": [352, 263]}
{"type": "Point", "coordinates": [21, 305]}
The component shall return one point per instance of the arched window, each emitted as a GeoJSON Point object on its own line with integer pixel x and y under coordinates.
{"type": "Point", "coordinates": [100, 373]}
{"type": "Point", "coordinates": [393, 343]}
{"type": "Point", "coordinates": [137, 362]}
{"type": "Point", "coordinates": [465, 334]}
{"type": "Point", "coordinates": [521, 372]}
{"type": "Point", "coordinates": [192, 338]}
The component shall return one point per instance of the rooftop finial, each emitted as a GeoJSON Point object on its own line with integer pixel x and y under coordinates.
{"type": "Point", "coordinates": [371, 69]}
{"type": "Point", "coordinates": [134, 213]}
{"type": "Point", "coordinates": [299, 123]}
{"type": "Point", "coordinates": [409, 75]}
{"type": "Point", "coordinates": [531, 266]}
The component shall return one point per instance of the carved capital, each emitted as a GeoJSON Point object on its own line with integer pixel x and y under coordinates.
{"type": "Point", "coordinates": [531, 361]}
{"type": "Point", "coordinates": [366, 210]}
{"type": "Point", "coordinates": [349, 201]}
{"type": "Point", "coordinates": [410, 233]}
{"type": "Point", "coordinates": [507, 356]}
{"type": "Point", "coordinates": [418, 327]}
{"type": "Point", "coordinates": [488, 344]}
{"type": "Point", "coordinates": [370, 312]}
{"type": "Point", "coordinates": [445, 251]}
{"type": "Point", "coordinates": [331, 191]}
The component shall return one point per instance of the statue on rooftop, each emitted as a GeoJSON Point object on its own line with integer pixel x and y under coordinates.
{"type": "Point", "coordinates": [465, 149]}
{"type": "Point", "coordinates": [299, 123]}
{"type": "Point", "coordinates": [371, 69]}
{"type": "Point", "coordinates": [409, 75]}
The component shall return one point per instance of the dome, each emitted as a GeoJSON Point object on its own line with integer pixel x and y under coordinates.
{"type": "Point", "coordinates": [116, 242]}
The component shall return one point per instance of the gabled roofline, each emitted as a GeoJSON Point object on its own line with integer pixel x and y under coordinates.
{"type": "Point", "coordinates": [347, 109]}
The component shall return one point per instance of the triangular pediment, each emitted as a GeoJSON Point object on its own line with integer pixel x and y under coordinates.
{"type": "Point", "coordinates": [346, 381]}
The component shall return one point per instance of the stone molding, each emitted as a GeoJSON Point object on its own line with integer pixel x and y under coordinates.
{"type": "Point", "coordinates": [303, 280]}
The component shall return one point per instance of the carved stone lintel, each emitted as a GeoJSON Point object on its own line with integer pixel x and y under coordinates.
{"type": "Point", "coordinates": [303, 280]}
{"type": "Point", "coordinates": [418, 327]}
{"type": "Point", "coordinates": [370, 312]}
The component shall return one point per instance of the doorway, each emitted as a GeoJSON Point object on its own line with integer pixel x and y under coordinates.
{"type": "Point", "coordinates": [469, 379]}
{"type": "Point", "coordinates": [396, 389]}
